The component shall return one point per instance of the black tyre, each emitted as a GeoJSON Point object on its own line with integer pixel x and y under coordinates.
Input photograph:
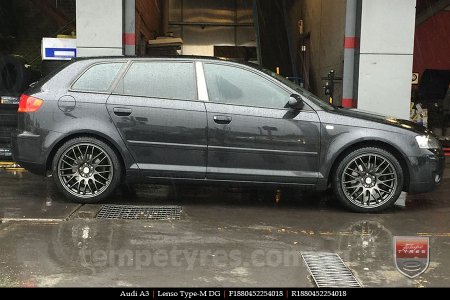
{"type": "Point", "coordinates": [368, 180]}
{"type": "Point", "coordinates": [86, 170]}
{"type": "Point", "coordinates": [15, 74]}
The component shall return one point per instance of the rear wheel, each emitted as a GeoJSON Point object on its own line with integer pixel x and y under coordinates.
{"type": "Point", "coordinates": [86, 170]}
{"type": "Point", "coordinates": [368, 180]}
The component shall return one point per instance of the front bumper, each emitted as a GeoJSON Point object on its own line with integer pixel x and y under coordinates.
{"type": "Point", "coordinates": [27, 152]}
{"type": "Point", "coordinates": [427, 171]}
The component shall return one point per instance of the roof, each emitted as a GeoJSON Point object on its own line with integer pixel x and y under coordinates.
{"type": "Point", "coordinates": [196, 57]}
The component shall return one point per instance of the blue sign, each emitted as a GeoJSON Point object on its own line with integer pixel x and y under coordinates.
{"type": "Point", "coordinates": [62, 53]}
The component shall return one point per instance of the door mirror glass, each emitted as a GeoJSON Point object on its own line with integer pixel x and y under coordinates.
{"type": "Point", "coordinates": [295, 102]}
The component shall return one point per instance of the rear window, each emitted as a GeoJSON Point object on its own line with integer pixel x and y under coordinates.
{"type": "Point", "coordinates": [168, 80]}
{"type": "Point", "coordinates": [98, 78]}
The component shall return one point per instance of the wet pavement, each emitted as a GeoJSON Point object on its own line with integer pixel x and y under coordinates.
{"type": "Point", "coordinates": [227, 237]}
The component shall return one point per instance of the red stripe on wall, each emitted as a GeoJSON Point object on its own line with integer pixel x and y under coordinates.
{"type": "Point", "coordinates": [447, 151]}
{"type": "Point", "coordinates": [351, 42]}
{"type": "Point", "coordinates": [347, 102]}
{"type": "Point", "coordinates": [129, 39]}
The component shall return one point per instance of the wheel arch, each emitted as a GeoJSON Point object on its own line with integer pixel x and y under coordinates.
{"type": "Point", "coordinates": [92, 134]}
{"type": "Point", "coordinates": [376, 144]}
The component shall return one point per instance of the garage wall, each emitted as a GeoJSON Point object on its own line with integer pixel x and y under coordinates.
{"type": "Point", "coordinates": [203, 24]}
{"type": "Point", "coordinates": [386, 56]}
{"type": "Point", "coordinates": [432, 44]}
{"type": "Point", "coordinates": [91, 26]}
{"type": "Point", "coordinates": [325, 21]}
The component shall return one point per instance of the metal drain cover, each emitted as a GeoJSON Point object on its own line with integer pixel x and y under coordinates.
{"type": "Point", "coordinates": [129, 212]}
{"type": "Point", "coordinates": [328, 270]}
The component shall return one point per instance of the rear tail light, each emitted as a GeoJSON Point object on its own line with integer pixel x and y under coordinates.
{"type": "Point", "coordinates": [28, 104]}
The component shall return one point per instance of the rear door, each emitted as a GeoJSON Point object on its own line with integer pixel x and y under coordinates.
{"type": "Point", "coordinates": [156, 111]}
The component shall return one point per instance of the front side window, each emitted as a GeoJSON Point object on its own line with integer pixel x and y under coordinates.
{"type": "Point", "coordinates": [316, 100]}
{"type": "Point", "coordinates": [169, 80]}
{"type": "Point", "coordinates": [98, 78]}
{"type": "Point", "coordinates": [232, 85]}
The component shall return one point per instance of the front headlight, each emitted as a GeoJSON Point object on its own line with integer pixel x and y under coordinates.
{"type": "Point", "coordinates": [427, 142]}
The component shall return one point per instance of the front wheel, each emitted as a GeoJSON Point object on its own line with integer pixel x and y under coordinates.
{"type": "Point", "coordinates": [86, 170]}
{"type": "Point", "coordinates": [368, 180]}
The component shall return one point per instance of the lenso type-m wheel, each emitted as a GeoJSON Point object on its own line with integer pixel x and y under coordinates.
{"type": "Point", "coordinates": [368, 180]}
{"type": "Point", "coordinates": [86, 170]}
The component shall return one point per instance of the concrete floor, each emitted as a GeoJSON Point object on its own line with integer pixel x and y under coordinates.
{"type": "Point", "coordinates": [227, 237]}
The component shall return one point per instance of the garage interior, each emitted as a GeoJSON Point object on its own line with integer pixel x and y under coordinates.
{"type": "Point", "coordinates": [47, 241]}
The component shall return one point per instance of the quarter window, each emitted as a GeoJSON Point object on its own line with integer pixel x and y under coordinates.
{"type": "Point", "coordinates": [98, 78]}
{"type": "Point", "coordinates": [232, 85]}
{"type": "Point", "coordinates": [169, 80]}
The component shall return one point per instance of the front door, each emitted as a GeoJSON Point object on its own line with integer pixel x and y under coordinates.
{"type": "Point", "coordinates": [156, 111]}
{"type": "Point", "coordinates": [251, 136]}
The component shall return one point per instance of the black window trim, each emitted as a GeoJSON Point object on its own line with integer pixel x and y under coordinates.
{"type": "Point", "coordinates": [112, 85]}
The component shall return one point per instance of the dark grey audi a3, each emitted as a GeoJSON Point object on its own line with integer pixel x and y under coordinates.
{"type": "Point", "coordinates": [100, 121]}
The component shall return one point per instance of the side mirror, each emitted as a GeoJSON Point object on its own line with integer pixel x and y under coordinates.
{"type": "Point", "coordinates": [295, 102]}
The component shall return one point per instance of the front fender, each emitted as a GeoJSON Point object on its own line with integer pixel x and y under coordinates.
{"type": "Point", "coordinates": [336, 139]}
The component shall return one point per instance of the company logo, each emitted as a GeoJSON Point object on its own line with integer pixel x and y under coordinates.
{"type": "Point", "coordinates": [412, 255]}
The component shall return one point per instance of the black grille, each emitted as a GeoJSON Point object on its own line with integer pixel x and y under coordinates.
{"type": "Point", "coordinates": [127, 212]}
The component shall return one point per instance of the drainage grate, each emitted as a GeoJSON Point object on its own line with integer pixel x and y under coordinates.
{"type": "Point", "coordinates": [128, 212]}
{"type": "Point", "coordinates": [328, 270]}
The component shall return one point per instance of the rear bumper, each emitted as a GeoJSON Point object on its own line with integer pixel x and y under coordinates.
{"type": "Point", "coordinates": [27, 152]}
{"type": "Point", "coordinates": [427, 171]}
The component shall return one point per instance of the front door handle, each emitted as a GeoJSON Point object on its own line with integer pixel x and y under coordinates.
{"type": "Point", "coordinates": [122, 112]}
{"type": "Point", "coordinates": [222, 120]}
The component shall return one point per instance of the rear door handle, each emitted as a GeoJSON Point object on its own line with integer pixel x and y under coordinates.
{"type": "Point", "coordinates": [222, 120]}
{"type": "Point", "coordinates": [122, 112]}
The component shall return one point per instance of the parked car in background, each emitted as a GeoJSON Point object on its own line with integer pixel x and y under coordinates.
{"type": "Point", "coordinates": [15, 77]}
{"type": "Point", "coordinates": [100, 121]}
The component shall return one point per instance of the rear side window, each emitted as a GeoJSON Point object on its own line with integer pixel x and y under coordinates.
{"type": "Point", "coordinates": [98, 78]}
{"type": "Point", "coordinates": [169, 80]}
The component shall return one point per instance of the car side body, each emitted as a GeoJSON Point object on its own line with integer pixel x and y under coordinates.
{"type": "Point", "coordinates": [186, 133]}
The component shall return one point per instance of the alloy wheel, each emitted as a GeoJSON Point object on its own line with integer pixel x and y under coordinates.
{"type": "Point", "coordinates": [369, 180]}
{"type": "Point", "coordinates": [85, 170]}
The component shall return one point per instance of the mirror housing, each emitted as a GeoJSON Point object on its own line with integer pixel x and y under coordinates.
{"type": "Point", "coordinates": [295, 102]}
